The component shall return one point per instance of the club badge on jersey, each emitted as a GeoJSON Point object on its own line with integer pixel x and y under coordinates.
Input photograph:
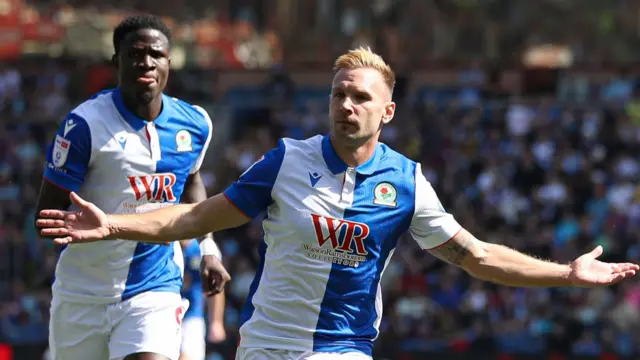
{"type": "Point", "coordinates": [385, 194]}
{"type": "Point", "coordinates": [183, 141]}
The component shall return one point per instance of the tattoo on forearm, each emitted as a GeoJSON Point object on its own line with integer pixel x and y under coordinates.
{"type": "Point", "coordinates": [454, 251]}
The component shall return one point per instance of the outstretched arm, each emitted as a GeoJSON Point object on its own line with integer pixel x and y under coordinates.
{"type": "Point", "coordinates": [439, 233]}
{"type": "Point", "coordinates": [177, 222]}
{"type": "Point", "coordinates": [502, 265]}
{"type": "Point", "coordinates": [243, 200]}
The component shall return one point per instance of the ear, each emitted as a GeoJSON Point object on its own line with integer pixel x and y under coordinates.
{"type": "Point", "coordinates": [389, 112]}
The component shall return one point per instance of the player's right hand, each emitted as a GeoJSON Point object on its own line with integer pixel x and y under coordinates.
{"type": "Point", "coordinates": [87, 224]}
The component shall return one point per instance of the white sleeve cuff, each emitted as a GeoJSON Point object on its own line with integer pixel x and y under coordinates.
{"type": "Point", "coordinates": [209, 247]}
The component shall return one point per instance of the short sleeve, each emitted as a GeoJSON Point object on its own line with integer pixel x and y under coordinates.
{"type": "Point", "coordinates": [252, 192]}
{"type": "Point", "coordinates": [431, 225]}
{"type": "Point", "coordinates": [208, 130]}
{"type": "Point", "coordinates": [69, 153]}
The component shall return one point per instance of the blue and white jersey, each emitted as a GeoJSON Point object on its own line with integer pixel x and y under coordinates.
{"type": "Point", "coordinates": [192, 287]}
{"type": "Point", "coordinates": [330, 231]}
{"type": "Point", "coordinates": [124, 164]}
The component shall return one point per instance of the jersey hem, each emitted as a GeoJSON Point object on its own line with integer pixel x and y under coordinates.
{"type": "Point", "coordinates": [298, 345]}
{"type": "Point", "coordinates": [162, 288]}
{"type": "Point", "coordinates": [96, 299]}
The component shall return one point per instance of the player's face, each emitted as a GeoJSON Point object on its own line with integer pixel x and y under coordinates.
{"type": "Point", "coordinates": [143, 64]}
{"type": "Point", "coordinates": [360, 104]}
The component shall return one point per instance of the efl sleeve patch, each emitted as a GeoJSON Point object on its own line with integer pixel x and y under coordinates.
{"type": "Point", "coordinates": [69, 153]}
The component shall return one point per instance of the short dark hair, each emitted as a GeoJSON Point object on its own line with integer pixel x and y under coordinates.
{"type": "Point", "coordinates": [135, 23]}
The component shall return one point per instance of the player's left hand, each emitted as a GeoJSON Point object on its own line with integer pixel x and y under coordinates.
{"type": "Point", "coordinates": [586, 271]}
{"type": "Point", "coordinates": [213, 274]}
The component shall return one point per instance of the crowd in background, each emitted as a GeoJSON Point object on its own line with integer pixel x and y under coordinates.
{"type": "Point", "coordinates": [553, 176]}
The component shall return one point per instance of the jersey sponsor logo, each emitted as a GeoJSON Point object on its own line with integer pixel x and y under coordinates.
{"type": "Point", "coordinates": [183, 141]}
{"type": "Point", "coordinates": [60, 151]}
{"type": "Point", "coordinates": [345, 241]}
{"type": "Point", "coordinates": [154, 187]}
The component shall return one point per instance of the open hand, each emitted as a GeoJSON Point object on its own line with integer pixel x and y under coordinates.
{"type": "Point", "coordinates": [586, 271]}
{"type": "Point", "coordinates": [87, 224]}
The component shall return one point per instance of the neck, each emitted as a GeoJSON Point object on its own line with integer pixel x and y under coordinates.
{"type": "Point", "coordinates": [354, 156]}
{"type": "Point", "coordinates": [149, 111]}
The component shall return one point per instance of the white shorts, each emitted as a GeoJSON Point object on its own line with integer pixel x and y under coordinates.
{"type": "Point", "coordinates": [149, 322]}
{"type": "Point", "coordinates": [194, 331]}
{"type": "Point", "coordinates": [261, 354]}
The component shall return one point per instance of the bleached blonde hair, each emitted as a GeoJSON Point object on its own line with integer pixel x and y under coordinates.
{"type": "Point", "coordinates": [364, 57]}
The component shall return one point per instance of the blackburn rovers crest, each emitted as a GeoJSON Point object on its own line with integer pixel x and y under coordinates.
{"type": "Point", "coordinates": [385, 194]}
{"type": "Point", "coordinates": [183, 141]}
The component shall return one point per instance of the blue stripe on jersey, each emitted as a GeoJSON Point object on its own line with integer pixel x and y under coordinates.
{"type": "Point", "coordinates": [347, 314]}
{"type": "Point", "coordinates": [152, 267]}
{"type": "Point", "coordinates": [71, 174]}
{"type": "Point", "coordinates": [193, 291]}
{"type": "Point", "coordinates": [248, 309]}
{"type": "Point", "coordinates": [252, 192]}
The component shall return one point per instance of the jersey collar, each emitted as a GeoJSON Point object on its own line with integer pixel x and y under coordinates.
{"type": "Point", "coordinates": [136, 122]}
{"type": "Point", "coordinates": [337, 166]}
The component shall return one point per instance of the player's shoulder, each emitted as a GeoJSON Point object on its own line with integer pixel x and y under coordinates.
{"type": "Point", "coordinates": [293, 150]}
{"type": "Point", "coordinates": [94, 108]}
{"type": "Point", "coordinates": [190, 116]}
{"type": "Point", "coordinates": [309, 146]}
{"type": "Point", "coordinates": [393, 160]}
{"type": "Point", "coordinates": [188, 110]}
{"type": "Point", "coordinates": [82, 122]}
